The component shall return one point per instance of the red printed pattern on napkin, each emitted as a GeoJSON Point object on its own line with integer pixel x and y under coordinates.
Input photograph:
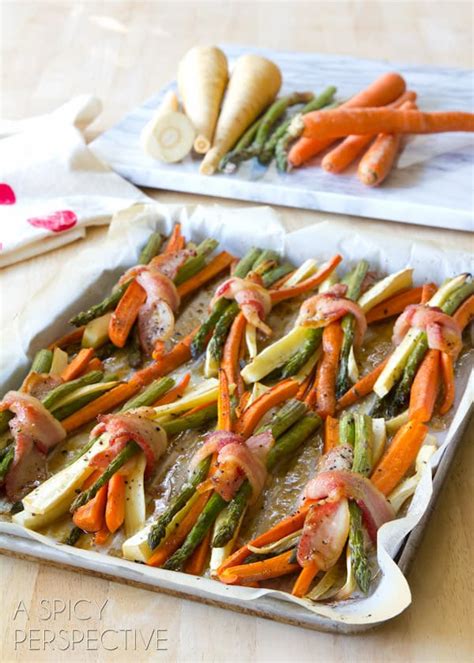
{"type": "Point", "coordinates": [56, 222]}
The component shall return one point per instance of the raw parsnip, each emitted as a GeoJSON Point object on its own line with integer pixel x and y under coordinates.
{"type": "Point", "coordinates": [169, 135]}
{"type": "Point", "coordinates": [202, 80]}
{"type": "Point", "coordinates": [254, 84]}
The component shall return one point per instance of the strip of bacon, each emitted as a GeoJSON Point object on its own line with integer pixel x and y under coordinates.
{"type": "Point", "coordinates": [325, 532]}
{"type": "Point", "coordinates": [442, 330]}
{"type": "Point", "coordinates": [253, 299]}
{"type": "Point", "coordinates": [320, 310]}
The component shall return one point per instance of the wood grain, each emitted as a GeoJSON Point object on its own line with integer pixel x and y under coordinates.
{"type": "Point", "coordinates": [123, 51]}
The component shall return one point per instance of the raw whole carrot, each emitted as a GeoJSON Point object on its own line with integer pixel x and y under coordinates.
{"type": "Point", "coordinates": [326, 383]}
{"type": "Point", "coordinates": [173, 542]}
{"type": "Point", "coordinates": [309, 284]}
{"type": "Point", "coordinates": [465, 312]}
{"type": "Point", "coordinates": [275, 396]}
{"type": "Point", "coordinates": [447, 370]}
{"type": "Point", "coordinates": [231, 352]}
{"type": "Point", "coordinates": [331, 433]}
{"type": "Point", "coordinates": [104, 403]}
{"type": "Point", "coordinates": [78, 364]}
{"type": "Point", "coordinates": [197, 562]}
{"type": "Point", "coordinates": [176, 241]}
{"type": "Point", "coordinates": [124, 316]}
{"type": "Point", "coordinates": [424, 389]}
{"type": "Point", "coordinates": [176, 392]}
{"type": "Point", "coordinates": [399, 457]}
{"type": "Point", "coordinates": [396, 304]}
{"type": "Point", "coordinates": [377, 162]}
{"type": "Point", "coordinates": [213, 268]}
{"type": "Point", "coordinates": [343, 122]}
{"type": "Point", "coordinates": [361, 388]}
{"type": "Point", "coordinates": [273, 567]}
{"type": "Point", "coordinates": [382, 91]}
{"type": "Point", "coordinates": [68, 339]}
{"type": "Point", "coordinates": [115, 508]}
{"type": "Point", "coordinates": [303, 582]}
{"type": "Point", "coordinates": [90, 516]}
{"type": "Point", "coordinates": [351, 147]}
{"type": "Point", "coordinates": [224, 410]}
{"type": "Point", "coordinates": [94, 365]}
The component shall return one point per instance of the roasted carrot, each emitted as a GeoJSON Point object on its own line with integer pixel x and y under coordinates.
{"type": "Point", "coordinates": [447, 370]}
{"type": "Point", "coordinates": [115, 508]}
{"type": "Point", "coordinates": [90, 516]}
{"type": "Point", "coordinates": [427, 291]}
{"type": "Point", "coordinates": [176, 392]}
{"type": "Point", "coordinates": [68, 339]}
{"type": "Point", "coordinates": [351, 147]}
{"type": "Point", "coordinates": [231, 352]}
{"type": "Point", "coordinates": [243, 402]}
{"type": "Point", "coordinates": [346, 121]}
{"type": "Point", "coordinates": [78, 364]}
{"type": "Point", "coordinates": [104, 403]}
{"type": "Point", "coordinates": [304, 386]}
{"type": "Point", "coordinates": [331, 433]}
{"type": "Point", "coordinates": [224, 410]}
{"type": "Point", "coordinates": [399, 457]}
{"type": "Point", "coordinates": [424, 389]}
{"type": "Point", "coordinates": [305, 578]}
{"type": "Point", "coordinates": [361, 388]}
{"type": "Point", "coordinates": [101, 537]}
{"type": "Point", "coordinates": [197, 562]}
{"type": "Point", "coordinates": [172, 542]}
{"type": "Point", "coordinates": [274, 396]}
{"type": "Point", "coordinates": [213, 268]}
{"type": "Point", "coordinates": [465, 312]}
{"type": "Point", "coordinates": [176, 241]}
{"type": "Point", "coordinates": [309, 284]}
{"type": "Point", "coordinates": [396, 304]}
{"type": "Point", "coordinates": [94, 365]}
{"type": "Point", "coordinates": [124, 316]}
{"type": "Point", "coordinates": [382, 91]}
{"type": "Point", "coordinates": [327, 373]}
{"type": "Point", "coordinates": [273, 567]}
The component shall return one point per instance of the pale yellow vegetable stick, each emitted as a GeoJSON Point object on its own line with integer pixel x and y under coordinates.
{"type": "Point", "coordinates": [169, 135]}
{"type": "Point", "coordinates": [202, 80]}
{"type": "Point", "coordinates": [254, 84]}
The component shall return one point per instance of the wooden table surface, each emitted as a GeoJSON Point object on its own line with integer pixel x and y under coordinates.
{"type": "Point", "coordinates": [123, 51]}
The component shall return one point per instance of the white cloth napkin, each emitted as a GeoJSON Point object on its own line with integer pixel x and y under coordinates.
{"type": "Point", "coordinates": [51, 185]}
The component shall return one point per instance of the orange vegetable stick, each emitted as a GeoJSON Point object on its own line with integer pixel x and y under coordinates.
{"type": "Point", "coordinates": [90, 516]}
{"type": "Point", "coordinates": [166, 363]}
{"type": "Point", "coordinates": [331, 433]}
{"type": "Point", "coordinates": [465, 312]}
{"type": "Point", "coordinates": [213, 268]}
{"type": "Point", "coordinates": [424, 389]}
{"type": "Point", "coordinates": [115, 508]}
{"type": "Point", "coordinates": [427, 291]}
{"type": "Point", "coordinates": [327, 374]}
{"type": "Point", "coordinates": [396, 304]}
{"type": "Point", "coordinates": [173, 542]}
{"type": "Point", "coordinates": [399, 457]}
{"type": "Point", "coordinates": [344, 121]}
{"type": "Point", "coordinates": [346, 152]}
{"type": "Point", "coordinates": [275, 396]}
{"type": "Point", "coordinates": [124, 316]}
{"type": "Point", "coordinates": [447, 370]}
{"type": "Point", "coordinates": [104, 403]}
{"type": "Point", "coordinates": [197, 562]}
{"type": "Point", "coordinates": [309, 284]}
{"type": "Point", "coordinates": [304, 386]}
{"type": "Point", "coordinates": [176, 241]}
{"type": "Point", "coordinates": [361, 388]}
{"type": "Point", "coordinates": [224, 410]}
{"type": "Point", "coordinates": [94, 365]}
{"type": "Point", "coordinates": [230, 355]}
{"type": "Point", "coordinates": [176, 392]}
{"type": "Point", "coordinates": [305, 578]}
{"type": "Point", "coordinates": [382, 91]}
{"type": "Point", "coordinates": [244, 399]}
{"type": "Point", "coordinates": [101, 537]}
{"type": "Point", "coordinates": [78, 364]}
{"type": "Point", "coordinates": [68, 339]}
{"type": "Point", "coordinates": [274, 567]}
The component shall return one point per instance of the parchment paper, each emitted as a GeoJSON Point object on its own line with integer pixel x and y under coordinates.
{"type": "Point", "coordinates": [92, 273]}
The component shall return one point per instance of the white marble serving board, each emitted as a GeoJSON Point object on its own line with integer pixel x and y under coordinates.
{"type": "Point", "coordinates": [432, 183]}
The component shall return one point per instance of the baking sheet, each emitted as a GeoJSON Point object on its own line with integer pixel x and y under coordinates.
{"type": "Point", "coordinates": [430, 185]}
{"type": "Point", "coordinates": [90, 276]}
